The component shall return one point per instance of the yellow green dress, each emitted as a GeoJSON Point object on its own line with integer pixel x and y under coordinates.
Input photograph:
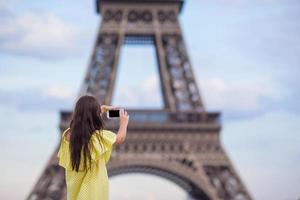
{"type": "Point", "coordinates": [93, 184]}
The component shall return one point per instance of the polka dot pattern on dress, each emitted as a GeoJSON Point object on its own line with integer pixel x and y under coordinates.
{"type": "Point", "coordinates": [91, 184]}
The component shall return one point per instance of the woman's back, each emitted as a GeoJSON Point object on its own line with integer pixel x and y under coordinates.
{"type": "Point", "coordinates": [88, 184]}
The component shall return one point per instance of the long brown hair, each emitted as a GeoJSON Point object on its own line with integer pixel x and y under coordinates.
{"type": "Point", "coordinates": [86, 119]}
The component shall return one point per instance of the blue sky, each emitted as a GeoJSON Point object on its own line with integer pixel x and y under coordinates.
{"type": "Point", "coordinates": [245, 59]}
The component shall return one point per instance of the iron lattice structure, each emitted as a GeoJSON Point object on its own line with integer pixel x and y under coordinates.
{"type": "Point", "coordinates": [180, 142]}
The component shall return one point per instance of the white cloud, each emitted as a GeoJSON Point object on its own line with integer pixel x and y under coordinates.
{"type": "Point", "coordinates": [144, 95]}
{"type": "Point", "coordinates": [58, 91]}
{"type": "Point", "coordinates": [36, 34]}
{"type": "Point", "coordinates": [243, 96]}
{"type": "Point", "coordinates": [239, 100]}
{"type": "Point", "coordinates": [37, 99]}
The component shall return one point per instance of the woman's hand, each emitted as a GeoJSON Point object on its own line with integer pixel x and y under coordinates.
{"type": "Point", "coordinates": [121, 135]}
{"type": "Point", "coordinates": [124, 118]}
{"type": "Point", "coordinates": [105, 108]}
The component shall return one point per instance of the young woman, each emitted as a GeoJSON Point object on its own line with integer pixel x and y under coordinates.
{"type": "Point", "coordinates": [85, 149]}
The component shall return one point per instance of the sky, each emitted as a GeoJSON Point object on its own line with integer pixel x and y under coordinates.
{"type": "Point", "coordinates": [245, 59]}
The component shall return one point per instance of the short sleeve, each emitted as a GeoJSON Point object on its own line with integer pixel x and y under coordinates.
{"type": "Point", "coordinates": [62, 145]}
{"type": "Point", "coordinates": [63, 153]}
{"type": "Point", "coordinates": [105, 146]}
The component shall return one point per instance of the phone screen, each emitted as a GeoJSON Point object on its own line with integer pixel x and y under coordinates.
{"type": "Point", "coordinates": [114, 113]}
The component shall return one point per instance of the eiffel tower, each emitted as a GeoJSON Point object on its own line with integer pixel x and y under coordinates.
{"type": "Point", "coordinates": [180, 142]}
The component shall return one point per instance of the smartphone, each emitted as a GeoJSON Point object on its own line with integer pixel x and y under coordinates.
{"type": "Point", "coordinates": [113, 113]}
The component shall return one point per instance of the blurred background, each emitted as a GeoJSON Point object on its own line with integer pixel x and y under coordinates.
{"type": "Point", "coordinates": [245, 56]}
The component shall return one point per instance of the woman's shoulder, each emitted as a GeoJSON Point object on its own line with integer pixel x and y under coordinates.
{"type": "Point", "coordinates": [105, 132]}
{"type": "Point", "coordinates": [66, 134]}
{"type": "Point", "coordinates": [67, 130]}
{"type": "Point", "coordinates": [108, 135]}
